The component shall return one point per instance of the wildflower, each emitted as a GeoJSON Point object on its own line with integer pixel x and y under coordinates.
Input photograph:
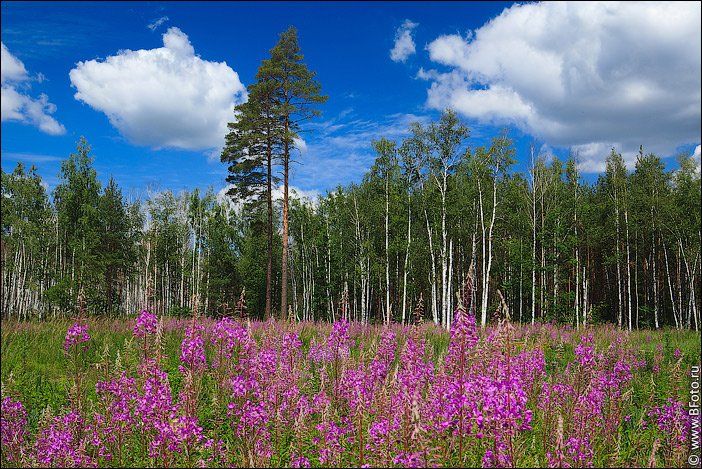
{"type": "Point", "coordinates": [76, 334]}
{"type": "Point", "coordinates": [299, 461]}
{"type": "Point", "coordinates": [13, 424]}
{"type": "Point", "coordinates": [192, 349]}
{"type": "Point", "coordinates": [58, 444]}
{"type": "Point", "coordinates": [146, 323]}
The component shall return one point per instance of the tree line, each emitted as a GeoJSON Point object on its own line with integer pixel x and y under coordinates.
{"type": "Point", "coordinates": [397, 246]}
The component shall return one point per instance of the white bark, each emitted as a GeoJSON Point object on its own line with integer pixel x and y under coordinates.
{"type": "Point", "coordinates": [409, 241]}
{"type": "Point", "coordinates": [434, 309]}
{"type": "Point", "coordinates": [670, 288]}
{"type": "Point", "coordinates": [388, 310]}
{"type": "Point", "coordinates": [628, 266]}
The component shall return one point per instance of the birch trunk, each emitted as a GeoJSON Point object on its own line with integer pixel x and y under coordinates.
{"type": "Point", "coordinates": [409, 240]}
{"type": "Point", "coordinates": [628, 265]}
{"type": "Point", "coordinates": [434, 309]}
{"type": "Point", "coordinates": [388, 312]}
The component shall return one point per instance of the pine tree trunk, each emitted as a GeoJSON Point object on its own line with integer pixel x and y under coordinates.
{"type": "Point", "coordinates": [284, 259]}
{"type": "Point", "coordinates": [269, 199]}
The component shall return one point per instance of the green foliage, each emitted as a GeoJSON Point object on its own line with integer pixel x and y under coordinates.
{"type": "Point", "coordinates": [38, 372]}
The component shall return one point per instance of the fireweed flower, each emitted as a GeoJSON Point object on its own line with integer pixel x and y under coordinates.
{"type": "Point", "coordinates": [299, 461]}
{"type": "Point", "coordinates": [155, 400]}
{"type": "Point", "coordinates": [192, 349]}
{"type": "Point", "coordinates": [338, 343]}
{"type": "Point", "coordinates": [585, 351]}
{"type": "Point", "coordinates": [58, 444]}
{"type": "Point", "coordinates": [118, 396]}
{"type": "Point", "coordinates": [146, 323]}
{"type": "Point", "coordinates": [13, 424]}
{"type": "Point", "coordinates": [361, 395]}
{"type": "Point", "coordinates": [329, 443]}
{"type": "Point", "coordinates": [672, 419]}
{"type": "Point", "coordinates": [464, 338]}
{"type": "Point", "coordinates": [230, 333]}
{"type": "Point", "coordinates": [76, 335]}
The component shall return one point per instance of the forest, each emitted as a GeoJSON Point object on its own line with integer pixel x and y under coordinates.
{"type": "Point", "coordinates": [464, 303]}
{"type": "Point", "coordinates": [397, 246]}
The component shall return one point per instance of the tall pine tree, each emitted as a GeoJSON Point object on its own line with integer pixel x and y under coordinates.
{"type": "Point", "coordinates": [297, 94]}
{"type": "Point", "coordinates": [250, 147]}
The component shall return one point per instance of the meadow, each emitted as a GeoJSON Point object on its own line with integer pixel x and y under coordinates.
{"type": "Point", "coordinates": [168, 392]}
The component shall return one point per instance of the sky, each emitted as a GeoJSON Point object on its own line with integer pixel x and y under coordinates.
{"type": "Point", "coordinates": [152, 85]}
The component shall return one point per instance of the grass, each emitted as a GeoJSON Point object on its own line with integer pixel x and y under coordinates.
{"type": "Point", "coordinates": [36, 370]}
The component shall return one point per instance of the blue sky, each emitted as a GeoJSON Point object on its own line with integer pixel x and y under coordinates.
{"type": "Point", "coordinates": [560, 78]}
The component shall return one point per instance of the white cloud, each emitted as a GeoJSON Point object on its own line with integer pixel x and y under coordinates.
{"type": "Point", "coordinates": [31, 157]}
{"type": "Point", "coordinates": [164, 97]}
{"type": "Point", "coordinates": [227, 201]}
{"type": "Point", "coordinates": [696, 157]}
{"type": "Point", "coordinates": [309, 197]}
{"type": "Point", "coordinates": [546, 152]}
{"type": "Point", "coordinates": [12, 68]}
{"type": "Point", "coordinates": [16, 104]}
{"type": "Point", "coordinates": [591, 156]}
{"type": "Point", "coordinates": [300, 145]}
{"type": "Point", "coordinates": [156, 23]}
{"type": "Point", "coordinates": [404, 44]}
{"type": "Point", "coordinates": [586, 75]}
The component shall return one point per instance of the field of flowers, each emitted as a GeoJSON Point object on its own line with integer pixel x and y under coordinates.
{"type": "Point", "coordinates": [166, 392]}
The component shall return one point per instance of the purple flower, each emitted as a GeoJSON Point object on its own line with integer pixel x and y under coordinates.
{"type": "Point", "coordinates": [58, 444]}
{"type": "Point", "coordinates": [146, 323]}
{"type": "Point", "coordinates": [76, 334]}
{"type": "Point", "coordinates": [192, 349]}
{"type": "Point", "coordinates": [13, 424]}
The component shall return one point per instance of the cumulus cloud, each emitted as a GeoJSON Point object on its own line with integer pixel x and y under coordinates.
{"type": "Point", "coordinates": [404, 44]}
{"type": "Point", "coordinates": [16, 104]}
{"type": "Point", "coordinates": [584, 75]}
{"type": "Point", "coordinates": [12, 68]}
{"type": "Point", "coordinates": [308, 197]}
{"type": "Point", "coordinates": [164, 97]}
{"type": "Point", "coordinates": [592, 157]}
